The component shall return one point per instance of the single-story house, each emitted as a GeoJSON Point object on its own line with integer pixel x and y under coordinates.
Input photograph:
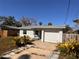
{"type": "Point", "coordinates": [45, 33]}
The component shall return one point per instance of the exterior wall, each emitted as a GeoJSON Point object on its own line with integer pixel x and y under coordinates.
{"type": "Point", "coordinates": [21, 33]}
{"type": "Point", "coordinates": [0, 33]}
{"type": "Point", "coordinates": [28, 32]}
{"type": "Point", "coordinates": [13, 32]}
{"type": "Point", "coordinates": [4, 33]}
{"type": "Point", "coordinates": [54, 36]}
{"type": "Point", "coordinates": [49, 35]}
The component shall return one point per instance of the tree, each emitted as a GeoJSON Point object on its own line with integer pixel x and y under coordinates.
{"type": "Point", "coordinates": [33, 21]}
{"type": "Point", "coordinates": [2, 18]}
{"type": "Point", "coordinates": [68, 28]}
{"type": "Point", "coordinates": [10, 21]}
{"type": "Point", "coordinates": [18, 24]}
{"type": "Point", "coordinates": [25, 21]}
{"type": "Point", "coordinates": [40, 23]}
{"type": "Point", "coordinates": [49, 23]}
{"type": "Point", "coordinates": [76, 22]}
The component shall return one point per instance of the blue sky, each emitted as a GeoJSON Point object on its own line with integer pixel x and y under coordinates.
{"type": "Point", "coordinates": [42, 10]}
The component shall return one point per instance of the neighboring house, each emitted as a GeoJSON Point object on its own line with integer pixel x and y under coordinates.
{"type": "Point", "coordinates": [8, 32]}
{"type": "Point", "coordinates": [45, 33]}
{"type": "Point", "coordinates": [75, 30]}
{"type": "Point", "coordinates": [3, 33]}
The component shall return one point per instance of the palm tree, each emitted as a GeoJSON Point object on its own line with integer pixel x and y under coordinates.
{"type": "Point", "coordinates": [40, 23]}
{"type": "Point", "coordinates": [76, 21]}
{"type": "Point", "coordinates": [49, 23]}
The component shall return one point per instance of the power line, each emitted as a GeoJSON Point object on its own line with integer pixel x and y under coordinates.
{"type": "Point", "coordinates": [67, 12]}
{"type": "Point", "coordinates": [77, 14]}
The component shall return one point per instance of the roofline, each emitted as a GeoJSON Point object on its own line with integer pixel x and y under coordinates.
{"type": "Point", "coordinates": [37, 27]}
{"type": "Point", "coordinates": [42, 27]}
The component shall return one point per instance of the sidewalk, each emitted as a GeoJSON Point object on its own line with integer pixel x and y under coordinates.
{"type": "Point", "coordinates": [55, 55]}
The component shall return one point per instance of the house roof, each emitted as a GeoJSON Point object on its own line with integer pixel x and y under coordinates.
{"type": "Point", "coordinates": [75, 28]}
{"type": "Point", "coordinates": [37, 27]}
{"type": "Point", "coordinates": [11, 27]}
{"type": "Point", "coordinates": [40, 27]}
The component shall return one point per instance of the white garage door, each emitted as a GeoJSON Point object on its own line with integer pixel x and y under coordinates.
{"type": "Point", "coordinates": [51, 36]}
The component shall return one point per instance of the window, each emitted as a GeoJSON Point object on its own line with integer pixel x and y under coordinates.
{"type": "Point", "coordinates": [24, 32]}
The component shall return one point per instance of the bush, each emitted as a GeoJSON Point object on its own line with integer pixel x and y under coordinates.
{"type": "Point", "coordinates": [70, 47]}
{"type": "Point", "coordinates": [22, 41]}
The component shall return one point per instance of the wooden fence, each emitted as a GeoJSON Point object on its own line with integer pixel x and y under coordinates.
{"type": "Point", "coordinates": [70, 36]}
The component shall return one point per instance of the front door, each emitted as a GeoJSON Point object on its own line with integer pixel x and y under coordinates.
{"type": "Point", "coordinates": [38, 33]}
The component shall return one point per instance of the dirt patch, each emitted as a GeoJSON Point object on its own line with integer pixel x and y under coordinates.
{"type": "Point", "coordinates": [45, 45]}
{"type": "Point", "coordinates": [42, 50]}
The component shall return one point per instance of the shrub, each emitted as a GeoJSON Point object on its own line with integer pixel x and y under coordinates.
{"type": "Point", "coordinates": [70, 47]}
{"type": "Point", "coordinates": [22, 41]}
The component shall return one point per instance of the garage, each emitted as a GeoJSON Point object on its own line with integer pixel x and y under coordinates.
{"type": "Point", "coordinates": [53, 35]}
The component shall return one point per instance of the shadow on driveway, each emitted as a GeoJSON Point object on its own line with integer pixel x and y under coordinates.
{"type": "Point", "coordinates": [25, 56]}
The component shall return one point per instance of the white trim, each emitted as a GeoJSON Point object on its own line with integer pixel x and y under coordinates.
{"type": "Point", "coordinates": [42, 35]}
